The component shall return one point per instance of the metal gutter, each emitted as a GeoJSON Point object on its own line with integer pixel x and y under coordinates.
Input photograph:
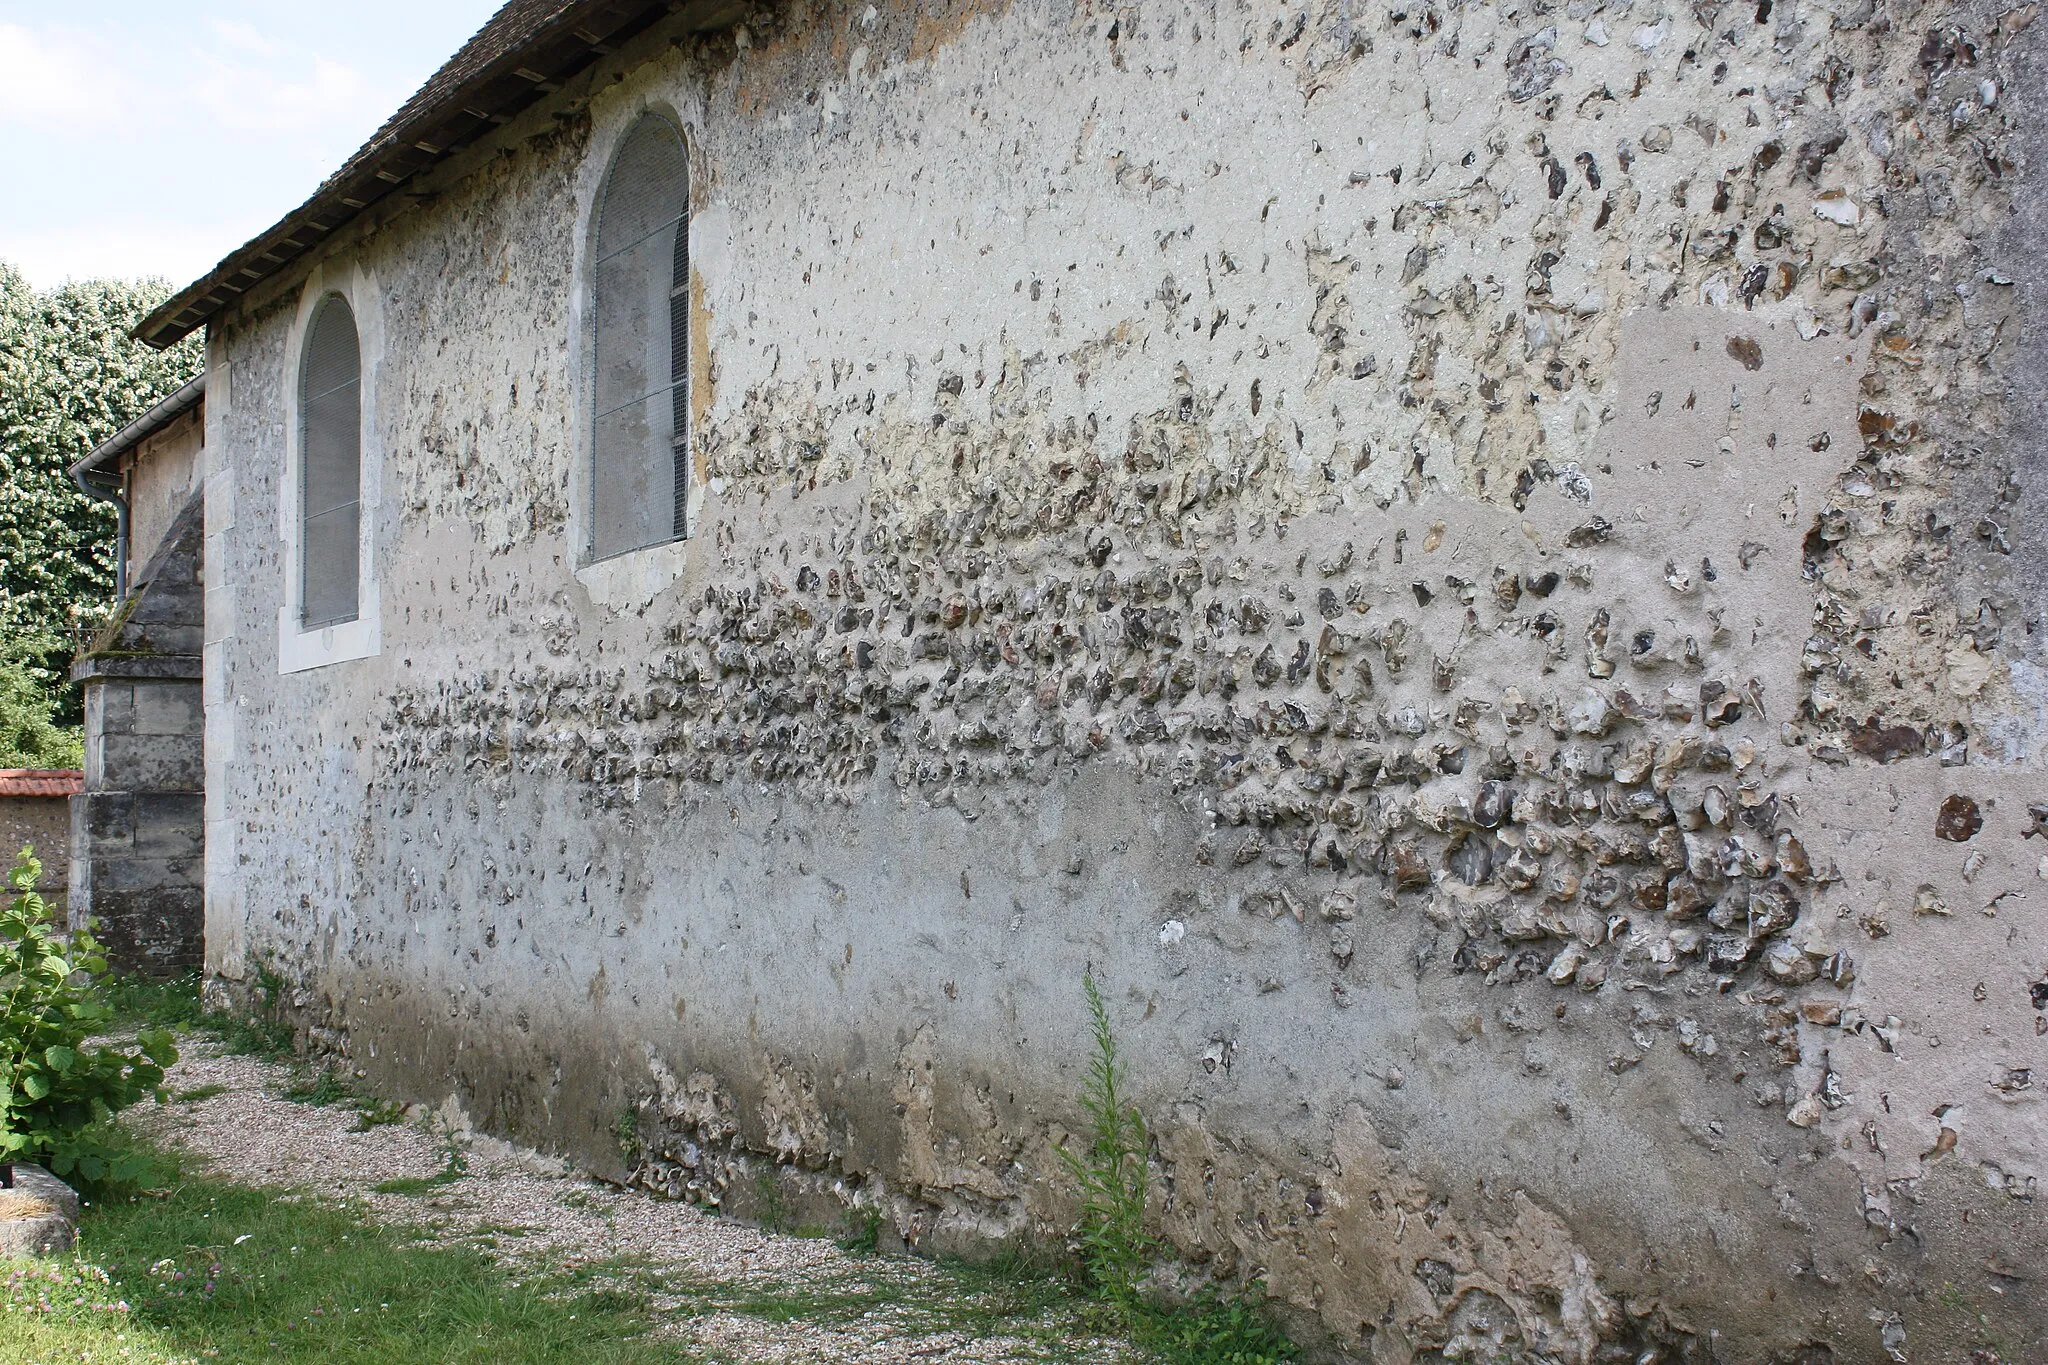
{"type": "Point", "coordinates": [185, 398]}
{"type": "Point", "coordinates": [94, 480]}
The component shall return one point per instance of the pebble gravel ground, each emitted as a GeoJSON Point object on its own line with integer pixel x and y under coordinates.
{"type": "Point", "coordinates": [534, 1212]}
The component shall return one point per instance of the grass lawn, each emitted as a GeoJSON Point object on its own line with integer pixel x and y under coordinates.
{"type": "Point", "coordinates": [219, 1272]}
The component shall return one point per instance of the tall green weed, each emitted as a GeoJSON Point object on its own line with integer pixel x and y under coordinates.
{"type": "Point", "coordinates": [1211, 1327]}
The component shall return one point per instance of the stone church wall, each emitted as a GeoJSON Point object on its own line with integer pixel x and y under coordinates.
{"type": "Point", "coordinates": [1477, 565]}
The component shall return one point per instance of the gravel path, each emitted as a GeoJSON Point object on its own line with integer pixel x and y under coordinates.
{"type": "Point", "coordinates": [534, 1211]}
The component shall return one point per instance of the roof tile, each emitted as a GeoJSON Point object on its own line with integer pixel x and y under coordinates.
{"type": "Point", "coordinates": [41, 781]}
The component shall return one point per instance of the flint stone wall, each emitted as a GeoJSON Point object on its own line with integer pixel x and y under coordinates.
{"type": "Point", "coordinates": [1477, 565]}
{"type": "Point", "coordinates": [44, 824]}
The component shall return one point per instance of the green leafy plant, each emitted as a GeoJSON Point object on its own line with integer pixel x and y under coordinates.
{"type": "Point", "coordinates": [56, 1091]}
{"type": "Point", "coordinates": [1214, 1328]}
{"type": "Point", "coordinates": [626, 1131]}
{"type": "Point", "coordinates": [1111, 1171]}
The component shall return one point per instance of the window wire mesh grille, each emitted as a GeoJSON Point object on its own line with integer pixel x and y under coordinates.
{"type": "Point", "coordinates": [330, 467]}
{"type": "Point", "coordinates": [640, 465]}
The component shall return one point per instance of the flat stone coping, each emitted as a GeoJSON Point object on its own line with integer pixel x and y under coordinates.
{"type": "Point", "coordinates": [86, 667]}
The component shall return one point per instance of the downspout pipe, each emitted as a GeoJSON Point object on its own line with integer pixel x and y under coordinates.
{"type": "Point", "coordinates": [93, 483]}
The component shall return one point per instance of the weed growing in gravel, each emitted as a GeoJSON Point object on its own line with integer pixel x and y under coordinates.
{"type": "Point", "coordinates": [319, 1089]}
{"type": "Point", "coordinates": [1209, 1328]}
{"type": "Point", "coordinates": [454, 1167]}
{"type": "Point", "coordinates": [378, 1113]}
{"type": "Point", "coordinates": [862, 1233]}
{"type": "Point", "coordinates": [198, 1093]}
{"type": "Point", "coordinates": [454, 1160]}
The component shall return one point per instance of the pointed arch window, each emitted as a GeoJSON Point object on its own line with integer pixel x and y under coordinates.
{"type": "Point", "coordinates": [330, 471]}
{"type": "Point", "coordinates": [640, 464]}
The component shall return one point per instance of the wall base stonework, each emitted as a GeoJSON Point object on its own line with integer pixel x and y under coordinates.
{"type": "Point", "coordinates": [138, 833]}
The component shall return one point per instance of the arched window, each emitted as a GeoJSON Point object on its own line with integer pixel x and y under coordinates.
{"type": "Point", "coordinates": [330, 467]}
{"type": "Point", "coordinates": [640, 464]}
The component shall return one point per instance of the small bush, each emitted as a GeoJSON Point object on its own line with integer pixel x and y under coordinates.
{"type": "Point", "coordinates": [57, 1093]}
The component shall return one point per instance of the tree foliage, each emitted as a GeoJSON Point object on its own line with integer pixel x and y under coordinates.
{"type": "Point", "coordinates": [57, 1090]}
{"type": "Point", "coordinates": [70, 377]}
{"type": "Point", "coordinates": [29, 734]}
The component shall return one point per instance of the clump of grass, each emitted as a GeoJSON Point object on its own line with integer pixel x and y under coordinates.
{"type": "Point", "coordinates": [862, 1231]}
{"type": "Point", "coordinates": [174, 1003]}
{"type": "Point", "coordinates": [198, 1093]}
{"type": "Point", "coordinates": [1212, 1327]}
{"type": "Point", "coordinates": [412, 1186]}
{"type": "Point", "coordinates": [171, 1003]}
{"type": "Point", "coordinates": [319, 1088]}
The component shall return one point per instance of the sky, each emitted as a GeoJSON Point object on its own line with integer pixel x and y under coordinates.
{"type": "Point", "coordinates": [140, 137]}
